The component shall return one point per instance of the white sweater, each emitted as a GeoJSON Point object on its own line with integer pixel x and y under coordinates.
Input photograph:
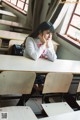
{"type": "Point", "coordinates": [33, 51]}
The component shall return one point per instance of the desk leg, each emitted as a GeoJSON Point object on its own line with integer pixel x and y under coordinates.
{"type": "Point", "coordinates": [23, 100]}
{"type": "Point", "coordinates": [72, 101]}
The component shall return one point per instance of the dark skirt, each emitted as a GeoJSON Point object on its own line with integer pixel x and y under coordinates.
{"type": "Point", "coordinates": [40, 79]}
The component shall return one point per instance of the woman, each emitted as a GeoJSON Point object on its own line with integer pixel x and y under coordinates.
{"type": "Point", "coordinates": [39, 43]}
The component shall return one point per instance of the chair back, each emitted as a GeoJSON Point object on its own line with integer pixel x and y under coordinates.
{"type": "Point", "coordinates": [57, 83]}
{"type": "Point", "coordinates": [16, 82]}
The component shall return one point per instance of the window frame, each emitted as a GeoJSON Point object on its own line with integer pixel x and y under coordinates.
{"type": "Point", "coordinates": [70, 39]}
{"type": "Point", "coordinates": [22, 10]}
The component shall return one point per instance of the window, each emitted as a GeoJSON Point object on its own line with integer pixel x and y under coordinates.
{"type": "Point", "coordinates": [73, 30]}
{"type": "Point", "coordinates": [70, 30]}
{"type": "Point", "coordinates": [21, 5]}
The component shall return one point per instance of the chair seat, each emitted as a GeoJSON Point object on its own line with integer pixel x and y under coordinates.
{"type": "Point", "coordinates": [56, 108]}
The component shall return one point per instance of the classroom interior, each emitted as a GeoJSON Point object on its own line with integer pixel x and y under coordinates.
{"type": "Point", "coordinates": [18, 18]}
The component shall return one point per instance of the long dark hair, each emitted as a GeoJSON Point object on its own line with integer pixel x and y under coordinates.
{"type": "Point", "coordinates": [41, 28]}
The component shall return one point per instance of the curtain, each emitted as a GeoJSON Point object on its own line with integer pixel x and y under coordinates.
{"type": "Point", "coordinates": [34, 13]}
{"type": "Point", "coordinates": [61, 15]}
{"type": "Point", "coordinates": [52, 8]}
{"type": "Point", "coordinates": [38, 6]}
{"type": "Point", "coordinates": [39, 11]}
{"type": "Point", "coordinates": [65, 11]}
{"type": "Point", "coordinates": [30, 14]}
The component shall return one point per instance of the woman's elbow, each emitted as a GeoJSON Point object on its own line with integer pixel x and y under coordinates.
{"type": "Point", "coordinates": [54, 58]}
{"type": "Point", "coordinates": [34, 57]}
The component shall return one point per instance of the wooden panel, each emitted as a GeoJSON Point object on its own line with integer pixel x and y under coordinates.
{"type": "Point", "coordinates": [14, 82]}
{"type": "Point", "coordinates": [57, 82]}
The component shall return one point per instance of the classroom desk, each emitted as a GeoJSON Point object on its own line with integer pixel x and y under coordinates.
{"type": "Point", "coordinates": [20, 63]}
{"type": "Point", "coordinates": [3, 12]}
{"type": "Point", "coordinates": [67, 116]}
{"type": "Point", "coordinates": [10, 23]}
{"type": "Point", "coordinates": [12, 35]}
{"type": "Point", "coordinates": [17, 113]}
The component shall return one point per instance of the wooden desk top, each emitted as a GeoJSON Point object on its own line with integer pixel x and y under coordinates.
{"type": "Point", "coordinates": [12, 35]}
{"type": "Point", "coordinates": [20, 63]}
{"type": "Point", "coordinates": [3, 12]}
{"type": "Point", "coordinates": [10, 23]}
{"type": "Point", "coordinates": [67, 116]}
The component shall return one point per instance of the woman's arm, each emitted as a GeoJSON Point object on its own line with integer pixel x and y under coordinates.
{"type": "Point", "coordinates": [51, 55]}
{"type": "Point", "coordinates": [32, 50]}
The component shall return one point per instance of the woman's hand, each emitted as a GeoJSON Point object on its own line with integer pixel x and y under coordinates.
{"type": "Point", "coordinates": [42, 38]}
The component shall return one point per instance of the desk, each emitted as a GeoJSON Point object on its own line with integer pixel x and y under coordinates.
{"type": "Point", "coordinates": [12, 35]}
{"type": "Point", "coordinates": [3, 12]}
{"type": "Point", "coordinates": [66, 116]}
{"type": "Point", "coordinates": [52, 109]}
{"type": "Point", "coordinates": [17, 113]}
{"type": "Point", "coordinates": [20, 63]}
{"type": "Point", "coordinates": [10, 23]}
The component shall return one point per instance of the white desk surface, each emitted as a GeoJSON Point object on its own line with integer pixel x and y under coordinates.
{"type": "Point", "coordinates": [67, 116]}
{"type": "Point", "coordinates": [18, 113]}
{"type": "Point", "coordinates": [3, 12]}
{"type": "Point", "coordinates": [56, 108]}
{"type": "Point", "coordinates": [20, 63]}
{"type": "Point", "coordinates": [12, 35]}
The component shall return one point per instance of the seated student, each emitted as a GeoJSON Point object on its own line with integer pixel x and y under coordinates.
{"type": "Point", "coordinates": [39, 45]}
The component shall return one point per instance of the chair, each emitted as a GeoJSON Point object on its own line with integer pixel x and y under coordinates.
{"type": "Point", "coordinates": [17, 113]}
{"type": "Point", "coordinates": [62, 83]}
{"type": "Point", "coordinates": [16, 82]}
{"type": "Point", "coordinates": [57, 83]}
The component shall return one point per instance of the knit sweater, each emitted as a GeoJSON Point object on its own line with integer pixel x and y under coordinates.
{"type": "Point", "coordinates": [34, 50]}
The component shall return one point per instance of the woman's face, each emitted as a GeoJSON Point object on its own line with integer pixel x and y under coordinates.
{"type": "Point", "coordinates": [47, 35]}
